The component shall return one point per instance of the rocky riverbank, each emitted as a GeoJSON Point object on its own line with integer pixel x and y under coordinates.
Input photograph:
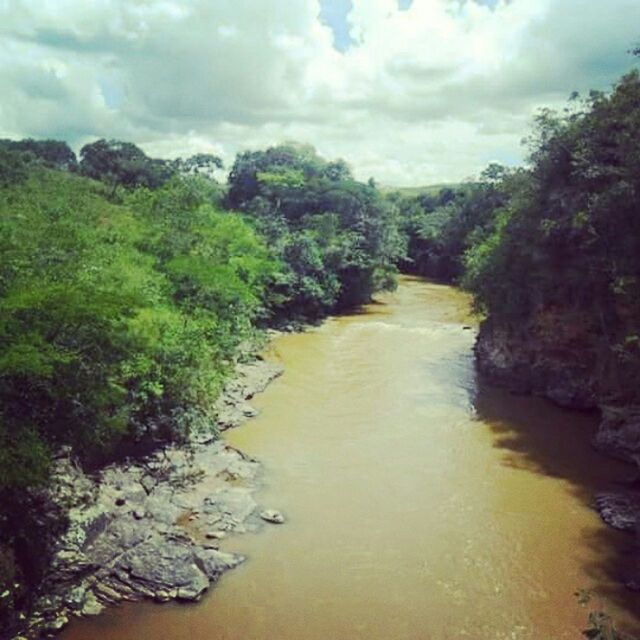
{"type": "Point", "coordinates": [535, 360]}
{"type": "Point", "coordinates": [558, 363]}
{"type": "Point", "coordinates": [152, 528]}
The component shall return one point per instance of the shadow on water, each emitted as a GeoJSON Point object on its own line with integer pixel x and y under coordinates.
{"type": "Point", "coordinates": [370, 308]}
{"type": "Point", "coordinates": [541, 438]}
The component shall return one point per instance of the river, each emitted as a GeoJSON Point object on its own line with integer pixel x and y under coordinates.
{"type": "Point", "coordinates": [420, 504]}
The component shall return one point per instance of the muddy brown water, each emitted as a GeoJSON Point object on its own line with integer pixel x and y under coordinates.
{"type": "Point", "coordinates": [420, 503]}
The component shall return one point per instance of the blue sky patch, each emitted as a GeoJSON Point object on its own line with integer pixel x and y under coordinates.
{"type": "Point", "coordinates": [334, 14]}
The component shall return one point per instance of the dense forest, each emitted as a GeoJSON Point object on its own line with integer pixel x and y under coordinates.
{"type": "Point", "coordinates": [129, 284]}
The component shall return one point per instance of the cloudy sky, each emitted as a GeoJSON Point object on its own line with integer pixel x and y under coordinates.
{"type": "Point", "coordinates": [408, 91]}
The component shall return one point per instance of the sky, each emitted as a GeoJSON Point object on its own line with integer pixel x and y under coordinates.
{"type": "Point", "coordinates": [410, 92]}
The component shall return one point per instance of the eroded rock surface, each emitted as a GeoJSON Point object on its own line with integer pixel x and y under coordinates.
{"type": "Point", "coordinates": [152, 528]}
{"type": "Point", "coordinates": [272, 516]}
{"type": "Point", "coordinates": [233, 407]}
{"type": "Point", "coordinates": [619, 433]}
{"type": "Point", "coordinates": [544, 361]}
{"type": "Point", "coordinates": [620, 510]}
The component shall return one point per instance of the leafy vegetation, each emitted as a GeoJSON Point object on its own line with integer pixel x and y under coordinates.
{"type": "Point", "coordinates": [441, 224]}
{"type": "Point", "coordinates": [120, 313]}
{"type": "Point", "coordinates": [117, 311]}
{"type": "Point", "coordinates": [338, 238]}
{"type": "Point", "coordinates": [127, 283]}
{"type": "Point", "coordinates": [118, 323]}
{"type": "Point", "coordinates": [127, 288]}
{"type": "Point", "coordinates": [556, 243]}
{"type": "Point", "coordinates": [568, 241]}
{"type": "Point", "coordinates": [116, 320]}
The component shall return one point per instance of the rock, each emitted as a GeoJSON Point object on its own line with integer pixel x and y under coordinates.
{"type": "Point", "coordinates": [194, 590]}
{"type": "Point", "coordinates": [272, 516]}
{"type": "Point", "coordinates": [229, 506]}
{"type": "Point", "coordinates": [249, 412]}
{"type": "Point", "coordinates": [107, 594]}
{"type": "Point", "coordinates": [57, 624]}
{"type": "Point", "coordinates": [91, 606]}
{"type": "Point", "coordinates": [253, 377]}
{"type": "Point", "coordinates": [161, 564]}
{"type": "Point", "coordinates": [215, 535]}
{"type": "Point", "coordinates": [619, 433]}
{"type": "Point", "coordinates": [214, 563]}
{"type": "Point", "coordinates": [77, 597]}
{"type": "Point", "coordinates": [549, 358]}
{"type": "Point", "coordinates": [126, 537]}
{"type": "Point", "coordinates": [159, 508]}
{"type": "Point", "coordinates": [162, 596]}
{"type": "Point", "coordinates": [148, 483]}
{"type": "Point", "coordinates": [203, 438]}
{"type": "Point", "coordinates": [619, 510]}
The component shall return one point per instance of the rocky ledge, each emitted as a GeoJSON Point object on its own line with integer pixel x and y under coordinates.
{"type": "Point", "coordinates": [152, 528]}
{"type": "Point", "coordinates": [535, 360]}
{"type": "Point", "coordinates": [552, 359]}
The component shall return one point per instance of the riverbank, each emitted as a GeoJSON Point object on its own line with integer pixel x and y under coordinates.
{"type": "Point", "coordinates": [457, 458]}
{"type": "Point", "coordinates": [419, 502]}
{"type": "Point", "coordinates": [556, 361]}
{"type": "Point", "coordinates": [152, 528]}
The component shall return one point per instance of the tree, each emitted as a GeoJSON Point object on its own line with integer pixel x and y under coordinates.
{"type": "Point", "coordinates": [565, 249]}
{"type": "Point", "coordinates": [337, 237]}
{"type": "Point", "coordinates": [52, 153]}
{"type": "Point", "coordinates": [122, 164]}
{"type": "Point", "coordinates": [199, 164]}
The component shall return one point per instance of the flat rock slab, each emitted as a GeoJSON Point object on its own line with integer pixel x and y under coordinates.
{"type": "Point", "coordinates": [252, 378]}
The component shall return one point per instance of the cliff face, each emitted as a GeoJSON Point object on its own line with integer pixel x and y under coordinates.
{"type": "Point", "coordinates": [555, 356]}
{"type": "Point", "coordinates": [546, 358]}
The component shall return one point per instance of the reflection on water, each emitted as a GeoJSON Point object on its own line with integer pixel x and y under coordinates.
{"type": "Point", "coordinates": [420, 504]}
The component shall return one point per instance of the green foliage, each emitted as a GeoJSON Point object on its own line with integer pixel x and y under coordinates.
{"type": "Point", "coordinates": [116, 321]}
{"type": "Point", "coordinates": [337, 238]}
{"type": "Point", "coordinates": [568, 241]}
{"type": "Point", "coordinates": [13, 167]}
{"type": "Point", "coordinates": [440, 227]}
{"type": "Point", "coordinates": [17, 157]}
{"type": "Point", "coordinates": [51, 153]}
{"type": "Point", "coordinates": [122, 164]}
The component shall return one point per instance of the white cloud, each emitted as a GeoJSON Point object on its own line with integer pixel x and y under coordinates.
{"type": "Point", "coordinates": [428, 94]}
